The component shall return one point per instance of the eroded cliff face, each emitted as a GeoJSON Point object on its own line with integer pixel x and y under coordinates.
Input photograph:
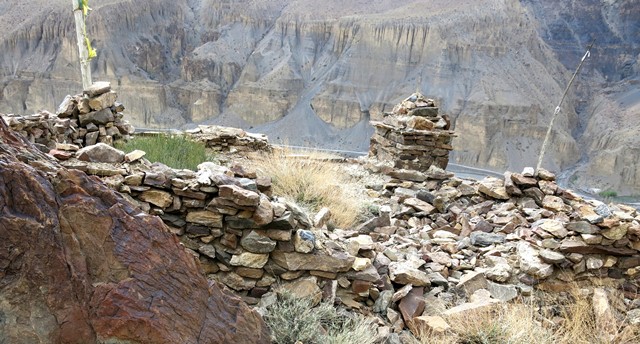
{"type": "Point", "coordinates": [608, 96]}
{"type": "Point", "coordinates": [315, 73]}
{"type": "Point", "coordinates": [80, 264]}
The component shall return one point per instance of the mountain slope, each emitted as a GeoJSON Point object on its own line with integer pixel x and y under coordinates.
{"type": "Point", "coordinates": [313, 73]}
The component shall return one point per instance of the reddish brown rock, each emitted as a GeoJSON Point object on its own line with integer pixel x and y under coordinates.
{"type": "Point", "coordinates": [413, 304]}
{"type": "Point", "coordinates": [80, 264]}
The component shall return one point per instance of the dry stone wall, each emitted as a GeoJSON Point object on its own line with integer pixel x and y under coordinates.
{"type": "Point", "coordinates": [413, 136]}
{"type": "Point", "coordinates": [227, 139]}
{"type": "Point", "coordinates": [227, 217]}
{"type": "Point", "coordinates": [81, 120]}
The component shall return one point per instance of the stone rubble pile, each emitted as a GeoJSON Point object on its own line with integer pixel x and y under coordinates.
{"type": "Point", "coordinates": [227, 139]}
{"type": "Point", "coordinates": [414, 136]}
{"type": "Point", "coordinates": [444, 246]}
{"type": "Point", "coordinates": [81, 120]}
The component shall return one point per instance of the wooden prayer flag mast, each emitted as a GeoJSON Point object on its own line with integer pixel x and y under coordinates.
{"type": "Point", "coordinates": [80, 10]}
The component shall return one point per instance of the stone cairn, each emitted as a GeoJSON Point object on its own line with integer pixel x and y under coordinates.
{"type": "Point", "coordinates": [413, 136]}
{"type": "Point", "coordinates": [81, 120]}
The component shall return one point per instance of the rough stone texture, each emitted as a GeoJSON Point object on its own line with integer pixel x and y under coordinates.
{"type": "Point", "coordinates": [531, 263]}
{"type": "Point", "coordinates": [406, 274]}
{"type": "Point", "coordinates": [250, 260]}
{"type": "Point", "coordinates": [494, 188]}
{"type": "Point", "coordinates": [304, 241]}
{"type": "Point", "coordinates": [412, 305]}
{"type": "Point", "coordinates": [429, 324]}
{"type": "Point", "coordinates": [205, 217]}
{"type": "Point", "coordinates": [339, 261]}
{"type": "Point", "coordinates": [239, 195]}
{"type": "Point", "coordinates": [486, 239]}
{"type": "Point", "coordinates": [257, 243]}
{"type": "Point", "coordinates": [158, 198]}
{"type": "Point", "coordinates": [96, 269]}
{"type": "Point", "coordinates": [101, 152]}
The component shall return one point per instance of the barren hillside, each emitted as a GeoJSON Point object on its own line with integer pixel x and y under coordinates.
{"type": "Point", "coordinates": [309, 72]}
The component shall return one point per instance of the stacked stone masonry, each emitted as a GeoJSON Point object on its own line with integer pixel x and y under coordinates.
{"type": "Point", "coordinates": [414, 136]}
{"type": "Point", "coordinates": [81, 120]}
{"type": "Point", "coordinates": [226, 139]}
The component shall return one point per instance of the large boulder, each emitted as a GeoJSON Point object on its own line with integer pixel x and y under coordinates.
{"type": "Point", "coordinates": [80, 264]}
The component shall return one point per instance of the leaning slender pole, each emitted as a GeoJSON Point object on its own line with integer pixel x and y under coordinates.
{"type": "Point", "coordinates": [85, 66]}
{"type": "Point", "coordinates": [557, 111]}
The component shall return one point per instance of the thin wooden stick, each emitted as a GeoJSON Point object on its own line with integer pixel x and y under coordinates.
{"type": "Point", "coordinates": [557, 111]}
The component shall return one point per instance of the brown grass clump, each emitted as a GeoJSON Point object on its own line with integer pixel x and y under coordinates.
{"type": "Point", "coordinates": [578, 323]}
{"type": "Point", "coordinates": [567, 318]}
{"type": "Point", "coordinates": [311, 180]}
{"type": "Point", "coordinates": [509, 323]}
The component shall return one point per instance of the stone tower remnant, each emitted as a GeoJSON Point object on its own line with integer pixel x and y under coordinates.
{"type": "Point", "coordinates": [413, 136]}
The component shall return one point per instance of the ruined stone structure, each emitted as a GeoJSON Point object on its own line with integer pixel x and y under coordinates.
{"type": "Point", "coordinates": [439, 245]}
{"type": "Point", "coordinates": [414, 136]}
{"type": "Point", "coordinates": [82, 120]}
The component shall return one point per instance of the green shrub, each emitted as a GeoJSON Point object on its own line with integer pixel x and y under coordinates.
{"type": "Point", "coordinates": [172, 150]}
{"type": "Point", "coordinates": [294, 320]}
{"type": "Point", "coordinates": [608, 194]}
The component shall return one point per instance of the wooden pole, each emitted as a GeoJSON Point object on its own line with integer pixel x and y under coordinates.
{"type": "Point", "coordinates": [557, 111]}
{"type": "Point", "coordinates": [85, 66]}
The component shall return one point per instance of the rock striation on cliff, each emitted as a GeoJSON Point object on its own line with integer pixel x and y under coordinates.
{"type": "Point", "coordinates": [80, 264]}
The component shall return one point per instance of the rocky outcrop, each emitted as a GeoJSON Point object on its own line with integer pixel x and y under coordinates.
{"type": "Point", "coordinates": [80, 264]}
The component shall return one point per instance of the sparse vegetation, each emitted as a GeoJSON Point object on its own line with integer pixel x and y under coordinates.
{"type": "Point", "coordinates": [608, 194]}
{"type": "Point", "coordinates": [293, 320]}
{"type": "Point", "coordinates": [172, 150]}
{"type": "Point", "coordinates": [514, 323]}
{"type": "Point", "coordinates": [569, 321]}
{"type": "Point", "coordinates": [313, 181]}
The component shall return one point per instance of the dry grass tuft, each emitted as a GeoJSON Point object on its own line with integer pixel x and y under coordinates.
{"type": "Point", "coordinates": [566, 318]}
{"type": "Point", "coordinates": [579, 325]}
{"type": "Point", "coordinates": [294, 320]}
{"type": "Point", "coordinates": [312, 180]}
{"type": "Point", "coordinates": [510, 323]}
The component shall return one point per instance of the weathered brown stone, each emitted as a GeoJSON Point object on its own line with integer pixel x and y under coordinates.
{"type": "Point", "coordinates": [103, 101]}
{"type": "Point", "coordinates": [239, 195]}
{"type": "Point", "coordinates": [523, 181]}
{"type": "Point", "coordinates": [250, 260]}
{"type": "Point", "coordinates": [337, 262]}
{"type": "Point", "coordinates": [420, 205]}
{"type": "Point", "coordinates": [264, 212]}
{"type": "Point", "coordinates": [205, 217]}
{"type": "Point", "coordinates": [429, 324]}
{"type": "Point", "coordinates": [97, 88]}
{"type": "Point", "coordinates": [101, 153]}
{"type": "Point", "coordinates": [403, 273]}
{"type": "Point", "coordinates": [158, 198]}
{"type": "Point", "coordinates": [494, 188]}
{"type": "Point", "coordinates": [413, 304]}
{"type": "Point", "coordinates": [100, 117]}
